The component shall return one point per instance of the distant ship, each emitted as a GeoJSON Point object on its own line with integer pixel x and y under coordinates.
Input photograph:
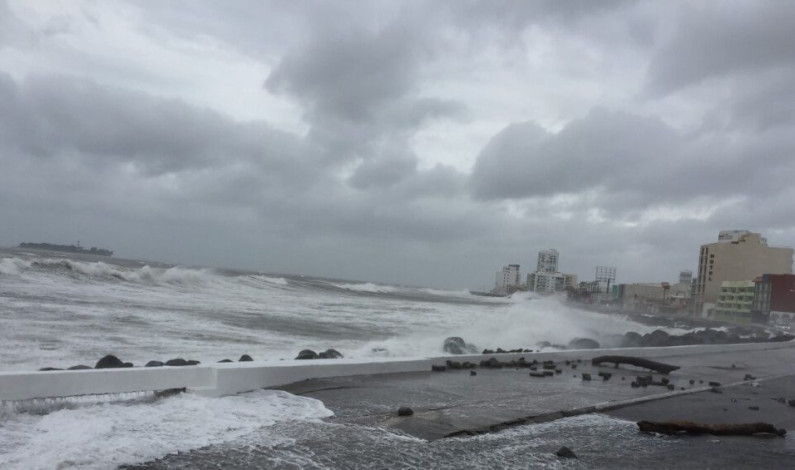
{"type": "Point", "coordinates": [67, 248]}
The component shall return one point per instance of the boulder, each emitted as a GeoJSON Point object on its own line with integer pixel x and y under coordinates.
{"type": "Point", "coordinates": [225, 360]}
{"type": "Point", "coordinates": [631, 339]}
{"type": "Point", "coordinates": [109, 362]}
{"type": "Point", "coordinates": [566, 453]}
{"type": "Point", "coordinates": [154, 364]}
{"type": "Point", "coordinates": [178, 362]}
{"type": "Point", "coordinates": [306, 354]}
{"type": "Point", "coordinates": [330, 354]}
{"type": "Point", "coordinates": [245, 358]}
{"type": "Point", "coordinates": [127, 364]}
{"type": "Point", "coordinates": [79, 367]}
{"type": "Point", "coordinates": [656, 338]}
{"type": "Point", "coordinates": [457, 345]}
{"type": "Point", "coordinates": [191, 362]}
{"type": "Point", "coordinates": [46, 369]}
{"type": "Point", "coordinates": [405, 411]}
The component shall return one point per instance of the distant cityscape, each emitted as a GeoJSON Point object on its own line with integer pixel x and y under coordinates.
{"type": "Point", "coordinates": [740, 279]}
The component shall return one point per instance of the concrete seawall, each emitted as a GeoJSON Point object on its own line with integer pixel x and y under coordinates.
{"type": "Point", "coordinates": [231, 378]}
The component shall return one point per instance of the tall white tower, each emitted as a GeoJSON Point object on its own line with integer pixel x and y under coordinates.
{"type": "Point", "coordinates": [547, 261]}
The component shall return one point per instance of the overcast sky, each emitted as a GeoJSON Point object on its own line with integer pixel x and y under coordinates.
{"type": "Point", "coordinates": [424, 143]}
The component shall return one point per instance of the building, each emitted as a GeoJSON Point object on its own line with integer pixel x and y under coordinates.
{"type": "Point", "coordinates": [774, 299]}
{"type": "Point", "coordinates": [655, 297]}
{"type": "Point", "coordinates": [685, 277]}
{"type": "Point", "coordinates": [545, 282]}
{"type": "Point", "coordinates": [547, 261]}
{"type": "Point", "coordinates": [570, 281]}
{"type": "Point", "coordinates": [738, 255]}
{"type": "Point", "coordinates": [547, 279]}
{"type": "Point", "coordinates": [508, 280]}
{"type": "Point", "coordinates": [734, 301]}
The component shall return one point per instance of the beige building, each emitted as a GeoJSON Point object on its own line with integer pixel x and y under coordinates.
{"type": "Point", "coordinates": [654, 297]}
{"type": "Point", "coordinates": [739, 255]}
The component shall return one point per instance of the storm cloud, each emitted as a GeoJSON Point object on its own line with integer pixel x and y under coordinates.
{"type": "Point", "coordinates": [412, 142]}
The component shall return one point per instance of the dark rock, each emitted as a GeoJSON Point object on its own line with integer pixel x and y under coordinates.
{"type": "Point", "coordinates": [631, 340]}
{"type": "Point", "coordinates": [656, 338]}
{"type": "Point", "coordinates": [491, 363]}
{"type": "Point", "coordinates": [715, 390]}
{"type": "Point", "coordinates": [605, 375]}
{"type": "Point", "coordinates": [178, 362]}
{"type": "Point", "coordinates": [79, 367]}
{"type": "Point", "coordinates": [435, 368]}
{"type": "Point", "coordinates": [487, 351]}
{"type": "Point", "coordinates": [754, 408]}
{"type": "Point", "coordinates": [549, 373]}
{"type": "Point", "coordinates": [586, 376]}
{"type": "Point", "coordinates": [714, 384]}
{"type": "Point", "coordinates": [307, 354]}
{"type": "Point", "coordinates": [109, 362]}
{"type": "Point", "coordinates": [457, 345]}
{"type": "Point", "coordinates": [472, 373]}
{"type": "Point", "coordinates": [549, 366]}
{"type": "Point", "coordinates": [583, 343]}
{"type": "Point", "coordinates": [405, 411]}
{"type": "Point", "coordinates": [225, 360]}
{"type": "Point", "coordinates": [791, 403]}
{"type": "Point", "coordinates": [454, 365]}
{"type": "Point", "coordinates": [127, 364]}
{"type": "Point", "coordinates": [154, 364]}
{"type": "Point", "coordinates": [671, 387]}
{"type": "Point", "coordinates": [566, 453]}
{"type": "Point", "coordinates": [47, 369]}
{"type": "Point", "coordinates": [191, 362]}
{"type": "Point", "coordinates": [245, 358]}
{"type": "Point", "coordinates": [634, 384]}
{"type": "Point", "coordinates": [537, 374]}
{"type": "Point", "coordinates": [330, 354]}
{"type": "Point", "coordinates": [749, 377]}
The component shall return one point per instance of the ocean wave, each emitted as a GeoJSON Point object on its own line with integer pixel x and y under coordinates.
{"type": "Point", "coordinates": [367, 287]}
{"type": "Point", "coordinates": [107, 435]}
{"type": "Point", "coordinates": [13, 266]}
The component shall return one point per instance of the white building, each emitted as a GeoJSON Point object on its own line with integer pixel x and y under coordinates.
{"type": "Point", "coordinates": [545, 282]}
{"type": "Point", "coordinates": [547, 261]}
{"type": "Point", "coordinates": [508, 279]}
{"type": "Point", "coordinates": [547, 278]}
{"type": "Point", "coordinates": [685, 277]}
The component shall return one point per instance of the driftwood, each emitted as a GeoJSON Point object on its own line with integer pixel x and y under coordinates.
{"type": "Point", "coordinates": [635, 361]}
{"type": "Point", "coordinates": [689, 427]}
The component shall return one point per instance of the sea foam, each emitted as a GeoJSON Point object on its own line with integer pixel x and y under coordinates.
{"type": "Point", "coordinates": [106, 435]}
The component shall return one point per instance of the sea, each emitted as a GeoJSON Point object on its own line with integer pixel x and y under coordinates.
{"type": "Point", "coordinates": [60, 310]}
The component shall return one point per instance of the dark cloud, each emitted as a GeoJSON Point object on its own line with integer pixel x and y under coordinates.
{"type": "Point", "coordinates": [672, 121]}
{"type": "Point", "coordinates": [604, 149]}
{"type": "Point", "coordinates": [49, 116]}
{"type": "Point", "coordinates": [713, 41]}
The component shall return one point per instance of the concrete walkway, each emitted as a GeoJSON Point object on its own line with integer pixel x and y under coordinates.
{"type": "Point", "coordinates": [455, 403]}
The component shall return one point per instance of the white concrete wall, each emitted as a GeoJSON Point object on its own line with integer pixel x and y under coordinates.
{"type": "Point", "coordinates": [237, 377]}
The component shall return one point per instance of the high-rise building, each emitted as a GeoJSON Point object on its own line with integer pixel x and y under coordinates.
{"type": "Point", "coordinates": [738, 255]}
{"type": "Point", "coordinates": [508, 279]}
{"type": "Point", "coordinates": [685, 277]}
{"type": "Point", "coordinates": [547, 261]}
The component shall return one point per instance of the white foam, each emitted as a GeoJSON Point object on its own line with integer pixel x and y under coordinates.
{"type": "Point", "coordinates": [13, 266]}
{"type": "Point", "coordinates": [367, 287]}
{"type": "Point", "coordinates": [104, 436]}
